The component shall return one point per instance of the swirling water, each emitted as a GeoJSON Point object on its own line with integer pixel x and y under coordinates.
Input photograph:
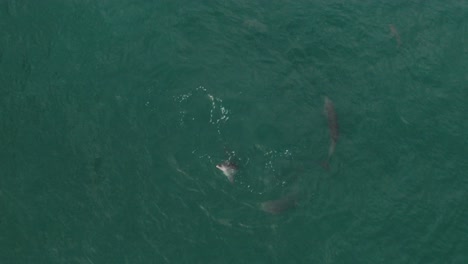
{"type": "Point", "coordinates": [115, 113]}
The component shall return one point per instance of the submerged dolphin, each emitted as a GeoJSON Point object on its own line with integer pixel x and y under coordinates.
{"type": "Point", "coordinates": [329, 111]}
{"type": "Point", "coordinates": [394, 33]}
{"type": "Point", "coordinates": [280, 205]}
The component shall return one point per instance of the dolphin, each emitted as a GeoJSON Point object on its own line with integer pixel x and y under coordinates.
{"type": "Point", "coordinates": [394, 33]}
{"type": "Point", "coordinates": [229, 169]}
{"type": "Point", "coordinates": [329, 111]}
{"type": "Point", "coordinates": [280, 205]}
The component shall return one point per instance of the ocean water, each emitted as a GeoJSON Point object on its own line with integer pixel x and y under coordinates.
{"type": "Point", "coordinates": [114, 115]}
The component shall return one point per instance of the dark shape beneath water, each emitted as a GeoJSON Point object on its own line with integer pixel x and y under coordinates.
{"type": "Point", "coordinates": [279, 205]}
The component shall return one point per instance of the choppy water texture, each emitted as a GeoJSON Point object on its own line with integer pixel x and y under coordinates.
{"type": "Point", "coordinates": [114, 114]}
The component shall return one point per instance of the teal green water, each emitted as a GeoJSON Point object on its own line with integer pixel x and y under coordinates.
{"type": "Point", "coordinates": [114, 114]}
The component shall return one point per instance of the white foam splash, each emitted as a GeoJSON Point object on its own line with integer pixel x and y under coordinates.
{"type": "Point", "coordinates": [221, 111]}
{"type": "Point", "coordinates": [218, 113]}
{"type": "Point", "coordinates": [183, 97]}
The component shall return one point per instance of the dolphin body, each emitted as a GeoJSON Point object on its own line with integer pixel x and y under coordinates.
{"type": "Point", "coordinates": [280, 205]}
{"type": "Point", "coordinates": [329, 111]}
{"type": "Point", "coordinates": [229, 169]}
{"type": "Point", "coordinates": [394, 33]}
